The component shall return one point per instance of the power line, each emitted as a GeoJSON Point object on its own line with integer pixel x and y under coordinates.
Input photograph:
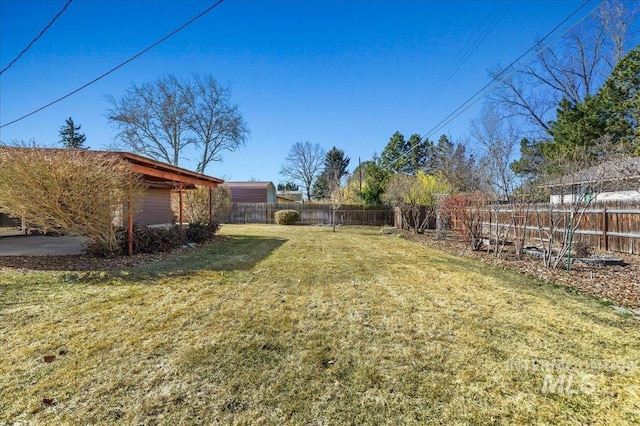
{"type": "Point", "coordinates": [467, 104]}
{"type": "Point", "coordinates": [478, 36]}
{"type": "Point", "coordinates": [100, 77]}
{"type": "Point", "coordinates": [37, 37]}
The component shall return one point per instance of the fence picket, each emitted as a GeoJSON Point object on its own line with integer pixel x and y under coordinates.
{"type": "Point", "coordinates": [311, 214]}
{"type": "Point", "coordinates": [610, 226]}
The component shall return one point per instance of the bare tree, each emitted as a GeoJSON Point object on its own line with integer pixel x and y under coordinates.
{"type": "Point", "coordinates": [80, 192]}
{"type": "Point", "coordinates": [573, 70]}
{"type": "Point", "coordinates": [152, 119]}
{"type": "Point", "coordinates": [217, 124]}
{"type": "Point", "coordinates": [616, 17]}
{"type": "Point", "coordinates": [303, 164]}
{"type": "Point", "coordinates": [163, 118]}
{"type": "Point", "coordinates": [497, 141]}
{"type": "Point", "coordinates": [337, 193]}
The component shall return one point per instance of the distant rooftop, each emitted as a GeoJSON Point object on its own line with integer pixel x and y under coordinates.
{"type": "Point", "coordinates": [609, 171]}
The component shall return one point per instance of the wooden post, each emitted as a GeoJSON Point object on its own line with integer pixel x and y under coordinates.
{"type": "Point", "coordinates": [180, 208]}
{"type": "Point", "coordinates": [130, 224]}
{"type": "Point", "coordinates": [210, 205]}
{"type": "Point", "coordinates": [605, 226]}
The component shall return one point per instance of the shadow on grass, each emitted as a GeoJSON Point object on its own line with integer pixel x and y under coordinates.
{"type": "Point", "coordinates": [234, 253]}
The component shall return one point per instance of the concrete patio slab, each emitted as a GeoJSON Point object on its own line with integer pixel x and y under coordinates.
{"type": "Point", "coordinates": [39, 245]}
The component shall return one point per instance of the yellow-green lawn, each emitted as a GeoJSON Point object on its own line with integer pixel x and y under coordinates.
{"type": "Point", "coordinates": [300, 325]}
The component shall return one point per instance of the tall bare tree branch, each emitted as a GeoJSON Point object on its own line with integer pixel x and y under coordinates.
{"type": "Point", "coordinates": [163, 118]}
{"type": "Point", "coordinates": [573, 70]}
{"type": "Point", "coordinates": [303, 164]}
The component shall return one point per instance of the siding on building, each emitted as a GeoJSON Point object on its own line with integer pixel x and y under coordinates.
{"type": "Point", "coordinates": [252, 192]}
{"type": "Point", "coordinates": [153, 207]}
{"type": "Point", "coordinates": [295, 196]}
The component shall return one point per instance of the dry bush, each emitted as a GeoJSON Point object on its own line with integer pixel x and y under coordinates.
{"type": "Point", "coordinates": [76, 191]}
{"type": "Point", "coordinates": [582, 249]}
{"type": "Point", "coordinates": [195, 204]}
{"type": "Point", "coordinates": [465, 213]}
{"type": "Point", "coordinates": [287, 217]}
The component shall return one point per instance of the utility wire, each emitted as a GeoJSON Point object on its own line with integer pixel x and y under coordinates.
{"type": "Point", "coordinates": [469, 102]}
{"type": "Point", "coordinates": [494, 80]}
{"type": "Point", "coordinates": [478, 36]}
{"type": "Point", "coordinates": [37, 37]}
{"type": "Point", "coordinates": [100, 77]}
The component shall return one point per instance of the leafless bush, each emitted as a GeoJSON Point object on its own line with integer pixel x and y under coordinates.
{"type": "Point", "coordinates": [464, 212]}
{"type": "Point", "coordinates": [582, 249]}
{"type": "Point", "coordinates": [196, 204]}
{"type": "Point", "coordinates": [79, 192]}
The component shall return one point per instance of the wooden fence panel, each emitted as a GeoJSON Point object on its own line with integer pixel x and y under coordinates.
{"type": "Point", "coordinates": [611, 226]}
{"type": "Point", "coordinates": [311, 214]}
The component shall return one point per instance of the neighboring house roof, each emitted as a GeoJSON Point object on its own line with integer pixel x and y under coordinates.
{"type": "Point", "coordinates": [295, 196]}
{"type": "Point", "coordinates": [252, 192]}
{"type": "Point", "coordinates": [609, 171]}
{"type": "Point", "coordinates": [283, 199]}
{"type": "Point", "coordinates": [249, 184]}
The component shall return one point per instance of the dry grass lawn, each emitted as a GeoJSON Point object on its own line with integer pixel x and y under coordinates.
{"type": "Point", "coordinates": [300, 325]}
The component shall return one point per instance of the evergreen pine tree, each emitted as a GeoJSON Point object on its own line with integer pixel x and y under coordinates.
{"type": "Point", "coordinates": [70, 137]}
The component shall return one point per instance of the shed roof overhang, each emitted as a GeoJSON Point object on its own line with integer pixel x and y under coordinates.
{"type": "Point", "coordinates": [155, 170]}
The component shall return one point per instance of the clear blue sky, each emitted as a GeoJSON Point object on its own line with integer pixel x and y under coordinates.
{"type": "Point", "coordinates": [343, 73]}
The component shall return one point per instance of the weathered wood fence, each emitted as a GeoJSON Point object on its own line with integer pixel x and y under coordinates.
{"type": "Point", "coordinates": [610, 226]}
{"type": "Point", "coordinates": [311, 214]}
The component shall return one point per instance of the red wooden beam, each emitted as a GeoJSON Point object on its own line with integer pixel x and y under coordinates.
{"type": "Point", "coordinates": [130, 224]}
{"type": "Point", "coordinates": [172, 176]}
{"type": "Point", "coordinates": [180, 209]}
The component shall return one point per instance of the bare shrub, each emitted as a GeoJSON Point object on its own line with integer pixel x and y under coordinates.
{"type": "Point", "coordinates": [196, 204]}
{"type": "Point", "coordinates": [582, 249]}
{"type": "Point", "coordinates": [464, 212]}
{"type": "Point", "coordinates": [147, 239]}
{"type": "Point", "coordinates": [76, 191]}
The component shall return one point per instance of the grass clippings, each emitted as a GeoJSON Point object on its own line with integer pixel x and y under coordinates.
{"type": "Point", "coordinates": [301, 325]}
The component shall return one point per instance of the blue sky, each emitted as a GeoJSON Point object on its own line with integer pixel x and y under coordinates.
{"type": "Point", "coordinates": [343, 73]}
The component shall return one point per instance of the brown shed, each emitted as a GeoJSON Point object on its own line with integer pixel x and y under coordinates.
{"type": "Point", "coordinates": [252, 192]}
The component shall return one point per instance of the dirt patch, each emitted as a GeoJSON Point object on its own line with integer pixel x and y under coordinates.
{"type": "Point", "coordinates": [619, 284]}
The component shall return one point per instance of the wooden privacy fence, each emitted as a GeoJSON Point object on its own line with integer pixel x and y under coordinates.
{"type": "Point", "coordinates": [311, 214]}
{"type": "Point", "coordinates": [608, 226]}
